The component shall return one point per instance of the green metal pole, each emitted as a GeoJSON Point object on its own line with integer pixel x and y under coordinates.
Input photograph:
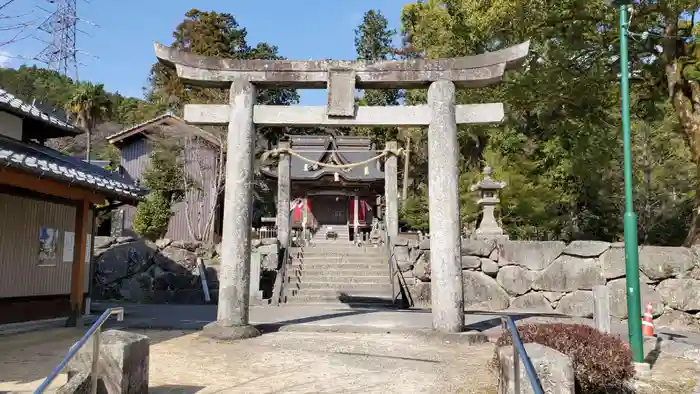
{"type": "Point", "coordinates": [634, 307]}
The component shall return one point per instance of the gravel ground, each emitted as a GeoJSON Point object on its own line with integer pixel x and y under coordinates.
{"type": "Point", "coordinates": [283, 362]}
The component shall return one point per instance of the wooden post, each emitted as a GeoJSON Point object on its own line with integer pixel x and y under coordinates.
{"type": "Point", "coordinates": [78, 267]}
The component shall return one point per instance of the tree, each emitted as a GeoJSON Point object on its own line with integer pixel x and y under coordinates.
{"type": "Point", "coordinates": [210, 33]}
{"type": "Point", "coordinates": [168, 185]}
{"type": "Point", "coordinates": [373, 42]}
{"type": "Point", "coordinates": [560, 149]}
{"type": "Point", "coordinates": [89, 105]}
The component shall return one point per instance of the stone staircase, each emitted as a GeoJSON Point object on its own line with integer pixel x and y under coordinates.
{"type": "Point", "coordinates": [338, 272]}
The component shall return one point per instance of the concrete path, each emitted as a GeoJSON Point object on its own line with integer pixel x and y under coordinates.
{"type": "Point", "coordinates": [281, 362]}
{"type": "Point", "coordinates": [342, 318]}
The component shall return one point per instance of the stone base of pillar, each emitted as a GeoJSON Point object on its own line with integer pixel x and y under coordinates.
{"type": "Point", "coordinates": [223, 330]}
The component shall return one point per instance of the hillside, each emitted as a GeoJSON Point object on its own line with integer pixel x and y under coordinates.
{"type": "Point", "coordinates": [53, 90]}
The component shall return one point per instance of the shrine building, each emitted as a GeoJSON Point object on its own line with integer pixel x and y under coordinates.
{"type": "Point", "coordinates": [344, 198]}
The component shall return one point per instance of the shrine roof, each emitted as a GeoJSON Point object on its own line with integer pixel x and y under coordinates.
{"type": "Point", "coordinates": [46, 162]}
{"type": "Point", "coordinates": [46, 122]}
{"type": "Point", "coordinates": [331, 149]}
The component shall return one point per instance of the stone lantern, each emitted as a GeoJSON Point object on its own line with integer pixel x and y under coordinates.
{"type": "Point", "coordinates": [488, 199]}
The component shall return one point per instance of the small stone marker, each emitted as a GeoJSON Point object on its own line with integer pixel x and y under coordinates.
{"type": "Point", "coordinates": [601, 308]}
{"type": "Point", "coordinates": [554, 370]}
{"type": "Point", "coordinates": [122, 368]}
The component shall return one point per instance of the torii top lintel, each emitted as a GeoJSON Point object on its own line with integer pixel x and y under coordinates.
{"type": "Point", "coordinates": [469, 71]}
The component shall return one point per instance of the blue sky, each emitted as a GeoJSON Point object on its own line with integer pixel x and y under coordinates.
{"type": "Point", "coordinates": [120, 46]}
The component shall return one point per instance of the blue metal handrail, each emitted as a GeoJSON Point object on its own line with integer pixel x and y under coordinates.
{"type": "Point", "coordinates": [94, 330]}
{"type": "Point", "coordinates": [519, 353]}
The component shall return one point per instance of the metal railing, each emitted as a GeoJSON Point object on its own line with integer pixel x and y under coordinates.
{"type": "Point", "coordinates": [263, 232]}
{"type": "Point", "coordinates": [94, 332]}
{"type": "Point", "coordinates": [519, 354]}
{"type": "Point", "coordinates": [395, 272]}
{"type": "Point", "coordinates": [281, 277]}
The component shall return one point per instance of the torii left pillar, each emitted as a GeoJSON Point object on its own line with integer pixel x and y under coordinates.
{"type": "Point", "coordinates": [232, 318]}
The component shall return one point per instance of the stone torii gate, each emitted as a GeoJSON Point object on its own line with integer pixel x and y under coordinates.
{"type": "Point", "coordinates": [341, 78]}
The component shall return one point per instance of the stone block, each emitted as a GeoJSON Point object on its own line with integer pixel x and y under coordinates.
{"type": "Point", "coordinates": [529, 254]}
{"type": "Point", "coordinates": [421, 270]}
{"type": "Point", "coordinates": [677, 319]}
{"type": "Point", "coordinates": [515, 280]}
{"type": "Point", "coordinates": [680, 294]}
{"type": "Point", "coordinates": [483, 292]}
{"type": "Point", "coordinates": [424, 244]}
{"type": "Point", "coordinates": [481, 248]}
{"type": "Point", "coordinates": [577, 304]}
{"type": "Point", "coordinates": [79, 383]}
{"type": "Point", "coordinates": [586, 248]}
{"type": "Point", "coordinates": [421, 293]}
{"type": "Point", "coordinates": [489, 267]}
{"type": "Point", "coordinates": [613, 262]}
{"type": "Point", "coordinates": [123, 363]}
{"type": "Point", "coordinates": [534, 302]}
{"type": "Point", "coordinates": [554, 369]}
{"type": "Point", "coordinates": [662, 262]}
{"type": "Point", "coordinates": [618, 298]}
{"type": "Point", "coordinates": [470, 262]}
{"type": "Point", "coordinates": [569, 273]}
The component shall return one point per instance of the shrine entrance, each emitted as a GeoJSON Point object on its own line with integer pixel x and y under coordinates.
{"type": "Point", "coordinates": [441, 114]}
{"type": "Point", "coordinates": [330, 210]}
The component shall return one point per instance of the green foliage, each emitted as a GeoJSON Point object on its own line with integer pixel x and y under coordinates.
{"type": "Point", "coordinates": [168, 183]}
{"type": "Point", "coordinates": [373, 42]}
{"type": "Point", "coordinates": [153, 216]}
{"type": "Point", "coordinates": [560, 150]}
{"type": "Point", "coordinates": [166, 173]}
{"type": "Point", "coordinates": [414, 211]}
{"type": "Point", "coordinates": [212, 33]}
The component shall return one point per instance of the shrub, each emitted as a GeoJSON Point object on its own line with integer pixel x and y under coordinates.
{"type": "Point", "coordinates": [153, 216]}
{"type": "Point", "coordinates": [602, 362]}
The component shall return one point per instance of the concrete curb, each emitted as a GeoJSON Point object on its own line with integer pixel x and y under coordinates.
{"type": "Point", "coordinates": [36, 325]}
{"type": "Point", "coordinates": [469, 337]}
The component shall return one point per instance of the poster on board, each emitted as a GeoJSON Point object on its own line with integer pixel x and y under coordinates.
{"type": "Point", "coordinates": [68, 246]}
{"type": "Point", "coordinates": [48, 242]}
{"type": "Point", "coordinates": [88, 248]}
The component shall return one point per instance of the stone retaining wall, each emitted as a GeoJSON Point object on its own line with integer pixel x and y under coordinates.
{"type": "Point", "coordinates": [555, 277]}
{"type": "Point", "coordinates": [165, 271]}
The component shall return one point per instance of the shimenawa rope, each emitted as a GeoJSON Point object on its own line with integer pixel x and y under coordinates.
{"type": "Point", "coordinates": [275, 153]}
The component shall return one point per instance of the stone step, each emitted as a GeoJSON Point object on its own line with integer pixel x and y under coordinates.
{"type": "Point", "coordinates": [368, 280]}
{"type": "Point", "coordinates": [340, 253]}
{"type": "Point", "coordinates": [357, 301]}
{"type": "Point", "coordinates": [336, 266]}
{"type": "Point", "coordinates": [341, 273]}
{"type": "Point", "coordinates": [326, 277]}
{"type": "Point", "coordinates": [341, 287]}
{"type": "Point", "coordinates": [341, 248]}
{"type": "Point", "coordinates": [340, 259]}
{"type": "Point", "coordinates": [338, 293]}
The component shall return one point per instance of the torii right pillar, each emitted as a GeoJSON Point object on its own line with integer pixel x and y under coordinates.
{"type": "Point", "coordinates": [447, 295]}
